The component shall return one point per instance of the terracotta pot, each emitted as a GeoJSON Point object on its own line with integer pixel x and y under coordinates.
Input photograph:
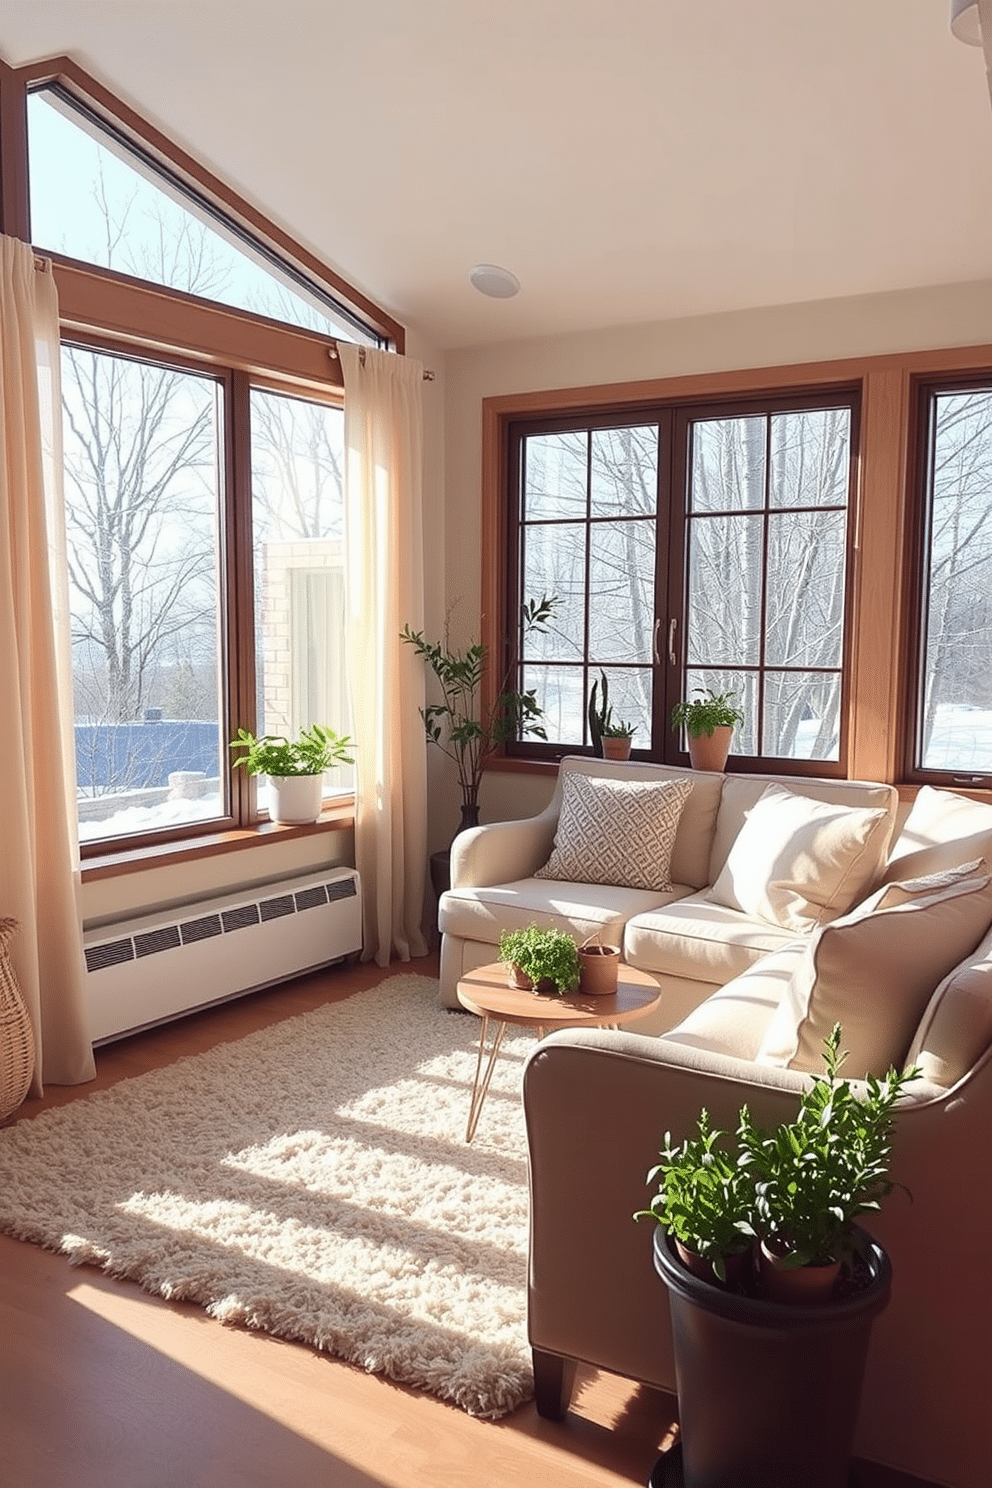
{"type": "Point", "coordinates": [519, 979]}
{"type": "Point", "coordinates": [804, 1286]}
{"type": "Point", "coordinates": [615, 747]}
{"type": "Point", "coordinates": [599, 965]}
{"type": "Point", "coordinates": [737, 1266]}
{"type": "Point", "coordinates": [709, 751]}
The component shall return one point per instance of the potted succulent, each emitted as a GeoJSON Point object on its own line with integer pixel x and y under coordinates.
{"type": "Point", "coordinates": [295, 767]}
{"type": "Point", "coordinates": [709, 723]}
{"type": "Point", "coordinates": [616, 739]}
{"type": "Point", "coordinates": [769, 1388]}
{"type": "Point", "coordinates": [599, 713]}
{"type": "Point", "coordinates": [540, 960]}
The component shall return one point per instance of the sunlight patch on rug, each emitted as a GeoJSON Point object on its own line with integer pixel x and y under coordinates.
{"type": "Point", "coordinates": [310, 1180]}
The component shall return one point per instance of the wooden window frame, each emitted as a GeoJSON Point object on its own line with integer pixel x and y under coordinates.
{"type": "Point", "coordinates": [672, 523]}
{"type": "Point", "coordinates": [113, 312]}
{"type": "Point", "coordinates": [923, 390]}
{"type": "Point", "coordinates": [885, 588]}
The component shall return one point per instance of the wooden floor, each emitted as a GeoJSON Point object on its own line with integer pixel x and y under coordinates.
{"type": "Point", "coordinates": [104, 1386]}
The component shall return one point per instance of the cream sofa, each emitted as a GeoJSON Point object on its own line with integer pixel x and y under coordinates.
{"type": "Point", "coordinates": [598, 1102]}
{"type": "Point", "coordinates": [692, 944]}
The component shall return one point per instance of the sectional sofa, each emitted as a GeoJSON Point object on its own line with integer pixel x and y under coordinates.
{"type": "Point", "coordinates": [784, 904]}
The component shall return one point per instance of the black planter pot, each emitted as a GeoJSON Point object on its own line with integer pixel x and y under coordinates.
{"type": "Point", "coordinates": [440, 862]}
{"type": "Point", "coordinates": [768, 1393]}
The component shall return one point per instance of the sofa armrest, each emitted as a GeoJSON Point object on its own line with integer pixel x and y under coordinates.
{"type": "Point", "coordinates": [502, 852]}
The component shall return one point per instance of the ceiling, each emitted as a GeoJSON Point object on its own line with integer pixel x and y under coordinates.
{"type": "Point", "coordinates": [628, 160]}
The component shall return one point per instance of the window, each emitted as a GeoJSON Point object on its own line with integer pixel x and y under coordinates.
{"type": "Point", "coordinates": [694, 547]}
{"type": "Point", "coordinates": [203, 431]}
{"type": "Point", "coordinates": [951, 736]}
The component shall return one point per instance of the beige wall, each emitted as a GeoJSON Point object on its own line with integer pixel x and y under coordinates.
{"type": "Point", "coordinates": [952, 315]}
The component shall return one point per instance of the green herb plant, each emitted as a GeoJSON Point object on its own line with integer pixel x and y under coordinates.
{"type": "Point", "coordinates": [459, 725]}
{"type": "Point", "coordinates": [313, 751]}
{"type": "Point", "coordinates": [705, 1199]}
{"type": "Point", "coordinates": [812, 1177]}
{"type": "Point", "coordinates": [713, 710]}
{"type": "Point", "coordinates": [542, 954]}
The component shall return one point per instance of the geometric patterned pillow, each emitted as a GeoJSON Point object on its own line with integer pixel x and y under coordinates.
{"type": "Point", "coordinates": [617, 831]}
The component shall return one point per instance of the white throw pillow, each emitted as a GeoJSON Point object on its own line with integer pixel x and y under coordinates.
{"type": "Point", "coordinates": [874, 972]}
{"type": "Point", "coordinates": [617, 831]}
{"type": "Point", "coordinates": [942, 830]}
{"type": "Point", "coordinates": [798, 863]}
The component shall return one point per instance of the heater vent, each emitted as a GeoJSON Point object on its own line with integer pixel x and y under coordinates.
{"type": "Point", "coordinates": [161, 966]}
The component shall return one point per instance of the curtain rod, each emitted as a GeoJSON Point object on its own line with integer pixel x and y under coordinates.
{"type": "Point", "coordinates": [332, 352]}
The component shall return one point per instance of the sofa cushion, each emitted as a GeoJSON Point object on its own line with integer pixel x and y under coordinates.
{"type": "Point", "coordinates": [694, 839]}
{"type": "Point", "coordinates": [693, 937]}
{"type": "Point", "coordinates": [956, 1027]}
{"type": "Point", "coordinates": [482, 914]}
{"type": "Point", "coordinates": [941, 831]}
{"type": "Point", "coordinates": [617, 831]}
{"type": "Point", "coordinates": [734, 1020]}
{"type": "Point", "coordinates": [799, 863]}
{"type": "Point", "coordinates": [875, 970]}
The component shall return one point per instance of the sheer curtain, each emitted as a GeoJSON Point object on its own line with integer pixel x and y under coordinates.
{"type": "Point", "coordinates": [39, 877]}
{"type": "Point", "coordinates": [384, 589]}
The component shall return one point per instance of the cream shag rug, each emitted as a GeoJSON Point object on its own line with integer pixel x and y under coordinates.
{"type": "Point", "coordinates": [311, 1180]}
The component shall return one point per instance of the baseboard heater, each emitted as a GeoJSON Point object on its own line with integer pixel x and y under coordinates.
{"type": "Point", "coordinates": [145, 971]}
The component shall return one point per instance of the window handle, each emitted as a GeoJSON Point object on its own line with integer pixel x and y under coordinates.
{"type": "Point", "coordinates": [671, 642]}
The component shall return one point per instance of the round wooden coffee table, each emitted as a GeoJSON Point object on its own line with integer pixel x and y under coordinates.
{"type": "Point", "coordinates": [487, 992]}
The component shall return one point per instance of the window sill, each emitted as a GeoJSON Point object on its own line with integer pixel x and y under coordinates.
{"type": "Point", "coordinates": [339, 817]}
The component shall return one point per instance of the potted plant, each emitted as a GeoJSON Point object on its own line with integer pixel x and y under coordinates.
{"type": "Point", "coordinates": [709, 725]}
{"type": "Point", "coordinates": [540, 960]}
{"type": "Point", "coordinates": [460, 726]}
{"type": "Point", "coordinates": [616, 739]}
{"type": "Point", "coordinates": [769, 1390]}
{"type": "Point", "coordinates": [599, 713]}
{"type": "Point", "coordinates": [599, 967]}
{"type": "Point", "coordinates": [705, 1201]}
{"type": "Point", "coordinates": [295, 767]}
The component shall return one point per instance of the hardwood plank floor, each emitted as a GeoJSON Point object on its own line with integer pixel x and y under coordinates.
{"type": "Point", "coordinates": [105, 1386]}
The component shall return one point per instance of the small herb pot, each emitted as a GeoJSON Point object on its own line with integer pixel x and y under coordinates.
{"type": "Point", "coordinates": [523, 983]}
{"type": "Point", "coordinates": [599, 969]}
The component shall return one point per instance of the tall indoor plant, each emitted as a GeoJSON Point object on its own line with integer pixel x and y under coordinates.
{"type": "Point", "coordinates": [769, 1388]}
{"type": "Point", "coordinates": [461, 725]}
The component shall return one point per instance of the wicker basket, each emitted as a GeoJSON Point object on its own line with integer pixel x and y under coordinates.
{"type": "Point", "coordinates": [16, 1036]}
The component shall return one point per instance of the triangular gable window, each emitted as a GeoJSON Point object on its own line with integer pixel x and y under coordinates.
{"type": "Point", "coordinates": [97, 199]}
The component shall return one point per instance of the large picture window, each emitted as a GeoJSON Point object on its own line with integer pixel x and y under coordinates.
{"type": "Point", "coordinates": [696, 547]}
{"type": "Point", "coordinates": [951, 737]}
{"type": "Point", "coordinates": [202, 441]}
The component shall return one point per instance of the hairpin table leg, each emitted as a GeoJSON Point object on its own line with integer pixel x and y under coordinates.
{"type": "Point", "coordinates": [480, 1087]}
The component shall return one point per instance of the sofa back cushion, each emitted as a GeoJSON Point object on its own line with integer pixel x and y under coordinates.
{"type": "Point", "coordinates": [956, 1028]}
{"type": "Point", "coordinates": [617, 832]}
{"type": "Point", "coordinates": [874, 971]}
{"type": "Point", "coordinates": [799, 862]}
{"type": "Point", "coordinates": [694, 835]}
{"type": "Point", "coordinates": [740, 792]}
{"type": "Point", "coordinates": [942, 831]}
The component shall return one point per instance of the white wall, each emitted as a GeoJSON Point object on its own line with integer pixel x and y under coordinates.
{"type": "Point", "coordinates": [951, 315]}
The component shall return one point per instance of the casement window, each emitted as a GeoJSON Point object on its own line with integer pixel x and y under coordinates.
{"type": "Point", "coordinates": [691, 547]}
{"type": "Point", "coordinates": [203, 427]}
{"type": "Point", "coordinates": [950, 733]}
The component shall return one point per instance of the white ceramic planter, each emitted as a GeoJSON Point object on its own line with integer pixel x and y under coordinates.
{"type": "Point", "coordinates": [295, 798]}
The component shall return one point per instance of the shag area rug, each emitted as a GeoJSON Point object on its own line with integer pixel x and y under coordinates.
{"type": "Point", "coordinates": [311, 1180]}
